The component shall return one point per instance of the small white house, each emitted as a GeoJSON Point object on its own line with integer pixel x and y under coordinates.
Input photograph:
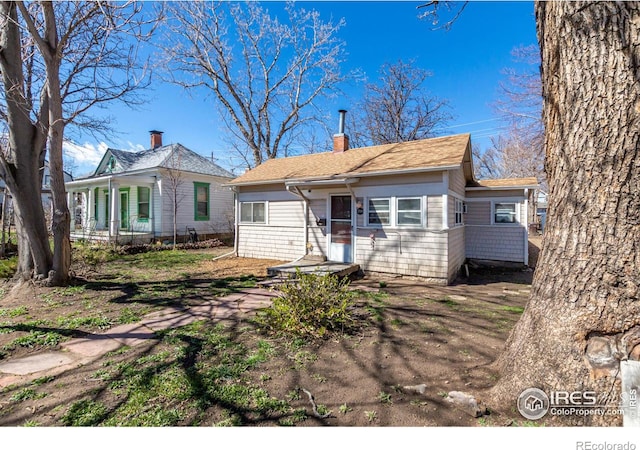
{"type": "Point", "coordinates": [412, 208]}
{"type": "Point", "coordinates": [131, 195]}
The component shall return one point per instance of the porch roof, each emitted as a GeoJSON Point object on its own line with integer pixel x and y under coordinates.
{"type": "Point", "coordinates": [121, 178]}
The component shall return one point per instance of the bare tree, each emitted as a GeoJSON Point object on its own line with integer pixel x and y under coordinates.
{"type": "Point", "coordinates": [174, 180]}
{"type": "Point", "coordinates": [397, 108]}
{"type": "Point", "coordinates": [58, 60]}
{"type": "Point", "coordinates": [511, 154]}
{"type": "Point", "coordinates": [265, 72]}
{"type": "Point", "coordinates": [583, 317]}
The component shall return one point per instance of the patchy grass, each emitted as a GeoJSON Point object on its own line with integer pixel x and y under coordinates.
{"type": "Point", "coordinates": [229, 285]}
{"type": "Point", "coordinates": [232, 373]}
{"type": "Point", "coordinates": [8, 267]}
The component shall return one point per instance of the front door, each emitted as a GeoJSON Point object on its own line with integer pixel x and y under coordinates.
{"type": "Point", "coordinates": [340, 246]}
{"type": "Point", "coordinates": [124, 210]}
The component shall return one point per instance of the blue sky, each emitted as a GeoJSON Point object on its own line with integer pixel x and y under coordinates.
{"type": "Point", "coordinates": [466, 63]}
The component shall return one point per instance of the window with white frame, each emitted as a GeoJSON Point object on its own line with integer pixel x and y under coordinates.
{"type": "Point", "coordinates": [252, 212]}
{"type": "Point", "coordinates": [505, 212]}
{"type": "Point", "coordinates": [459, 210]}
{"type": "Point", "coordinates": [409, 211]}
{"type": "Point", "coordinates": [379, 211]}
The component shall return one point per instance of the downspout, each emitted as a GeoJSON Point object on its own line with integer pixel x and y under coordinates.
{"type": "Point", "coordinates": [298, 193]}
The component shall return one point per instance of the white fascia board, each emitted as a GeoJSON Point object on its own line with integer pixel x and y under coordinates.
{"type": "Point", "coordinates": [346, 176]}
{"type": "Point", "coordinates": [501, 188]}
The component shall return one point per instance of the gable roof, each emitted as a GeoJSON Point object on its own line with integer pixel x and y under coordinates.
{"type": "Point", "coordinates": [405, 157]}
{"type": "Point", "coordinates": [174, 156]}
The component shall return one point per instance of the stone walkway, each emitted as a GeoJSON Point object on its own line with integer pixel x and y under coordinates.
{"type": "Point", "coordinates": [77, 352]}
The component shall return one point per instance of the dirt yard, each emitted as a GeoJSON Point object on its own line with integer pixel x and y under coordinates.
{"type": "Point", "coordinates": [419, 342]}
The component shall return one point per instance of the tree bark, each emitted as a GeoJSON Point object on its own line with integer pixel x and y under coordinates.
{"type": "Point", "coordinates": [61, 218]}
{"type": "Point", "coordinates": [24, 156]}
{"type": "Point", "coordinates": [583, 315]}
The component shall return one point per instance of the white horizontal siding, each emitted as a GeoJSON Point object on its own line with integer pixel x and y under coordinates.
{"type": "Point", "coordinates": [457, 181]}
{"type": "Point", "coordinates": [414, 253]}
{"type": "Point", "coordinates": [495, 243]}
{"type": "Point", "coordinates": [221, 207]}
{"type": "Point", "coordinates": [434, 212]}
{"type": "Point", "coordinates": [270, 242]}
{"type": "Point", "coordinates": [456, 251]}
{"type": "Point", "coordinates": [317, 234]}
{"type": "Point", "coordinates": [288, 214]}
{"type": "Point", "coordinates": [478, 213]}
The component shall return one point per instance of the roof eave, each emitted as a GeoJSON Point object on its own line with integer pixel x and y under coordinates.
{"type": "Point", "coordinates": [347, 176]}
{"type": "Point", "coordinates": [501, 188]}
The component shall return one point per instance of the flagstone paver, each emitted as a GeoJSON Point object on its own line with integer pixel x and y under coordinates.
{"type": "Point", "coordinates": [82, 350]}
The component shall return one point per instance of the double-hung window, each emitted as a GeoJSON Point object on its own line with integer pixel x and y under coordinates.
{"type": "Point", "coordinates": [201, 201]}
{"type": "Point", "coordinates": [252, 212]}
{"type": "Point", "coordinates": [505, 213]}
{"type": "Point", "coordinates": [409, 211]}
{"type": "Point", "coordinates": [379, 211]}
{"type": "Point", "coordinates": [459, 210]}
{"type": "Point", "coordinates": [143, 203]}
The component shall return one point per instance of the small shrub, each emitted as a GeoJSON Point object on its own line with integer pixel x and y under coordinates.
{"type": "Point", "coordinates": [311, 305]}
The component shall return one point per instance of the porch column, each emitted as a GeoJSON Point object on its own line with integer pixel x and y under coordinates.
{"type": "Point", "coordinates": [89, 212]}
{"type": "Point", "coordinates": [70, 203]}
{"type": "Point", "coordinates": [152, 216]}
{"type": "Point", "coordinates": [114, 209]}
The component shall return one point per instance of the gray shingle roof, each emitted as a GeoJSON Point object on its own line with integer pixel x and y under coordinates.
{"type": "Point", "coordinates": [174, 156]}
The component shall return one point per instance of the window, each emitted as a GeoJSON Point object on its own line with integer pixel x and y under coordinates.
{"type": "Point", "coordinates": [379, 211]}
{"type": "Point", "coordinates": [201, 201]}
{"type": "Point", "coordinates": [252, 212]}
{"type": "Point", "coordinates": [409, 211]}
{"type": "Point", "coordinates": [143, 203]}
{"type": "Point", "coordinates": [505, 213]}
{"type": "Point", "coordinates": [459, 211]}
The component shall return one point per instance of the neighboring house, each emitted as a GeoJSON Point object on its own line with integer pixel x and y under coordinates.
{"type": "Point", "coordinates": [131, 195]}
{"type": "Point", "coordinates": [541, 210]}
{"type": "Point", "coordinates": [47, 199]}
{"type": "Point", "coordinates": [412, 208]}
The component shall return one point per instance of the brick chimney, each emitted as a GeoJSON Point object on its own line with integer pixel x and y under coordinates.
{"type": "Point", "coordinates": [156, 139]}
{"type": "Point", "coordinates": [341, 140]}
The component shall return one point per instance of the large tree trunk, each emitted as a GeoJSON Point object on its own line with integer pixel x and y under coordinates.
{"type": "Point", "coordinates": [583, 316]}
{"type": "Point", "coordinates": [61, 219]}
{"type": "Point", "coordinates": [21, 162]}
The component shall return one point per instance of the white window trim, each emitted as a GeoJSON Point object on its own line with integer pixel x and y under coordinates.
{"type": "Point", "coordinates": [397, 210]}
{"type": "Point", "coordinates": [266, 214]}
{"type": "Point", "coordinates": [517, 223]}
{"type": "Point", "coordinates": [458, 208]}
{"type": "Point", "coordinates": [393, 212]}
